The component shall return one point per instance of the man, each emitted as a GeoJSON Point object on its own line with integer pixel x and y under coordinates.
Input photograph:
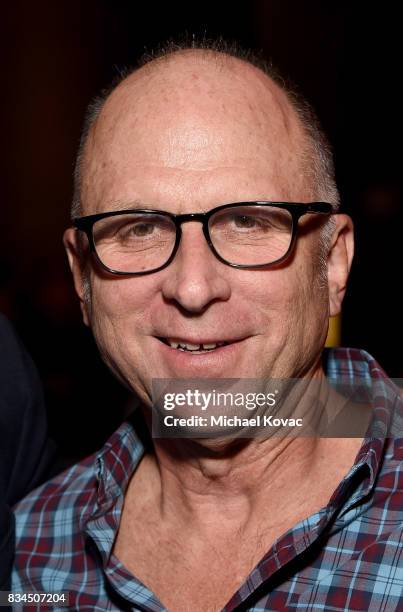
{"type": "Point", "coordinates": [245, 292]}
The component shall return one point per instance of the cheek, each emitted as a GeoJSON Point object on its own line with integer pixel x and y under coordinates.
{"type": "Point", "coordinates": [119, 315]}
{"type": "Point", "coordinates": [119, 298]}
{"type": "Point", "coordinates": [290, 303]}
{"type": "Point", "coordinates": [119, 319]}
{"type": "Point", "coordinates": [278, 293]}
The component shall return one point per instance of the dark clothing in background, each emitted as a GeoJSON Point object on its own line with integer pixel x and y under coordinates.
{"type": "Point", "coordinates": [25, 452]}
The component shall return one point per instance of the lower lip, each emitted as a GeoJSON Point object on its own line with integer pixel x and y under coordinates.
{"type": "Point", "coordinates": [209, 363]}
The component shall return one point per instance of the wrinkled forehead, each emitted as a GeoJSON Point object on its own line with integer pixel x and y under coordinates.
{"type": "Point", "coordinates": [189, 114]}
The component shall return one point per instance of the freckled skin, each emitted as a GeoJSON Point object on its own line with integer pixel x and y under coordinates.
{"type": "Point", "coordinates": [187, 135]}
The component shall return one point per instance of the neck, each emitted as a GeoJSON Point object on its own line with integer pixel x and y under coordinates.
{"type": "Point", "coordinates": [236, 479]}
{"type": "Point", "coordinates": [199, 482]}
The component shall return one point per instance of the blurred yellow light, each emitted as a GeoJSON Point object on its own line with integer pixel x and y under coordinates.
{"type": "Point", "coordinates": [334, 333]}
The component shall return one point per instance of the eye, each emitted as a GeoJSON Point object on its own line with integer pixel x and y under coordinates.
{"type": "Point", "coordinates": [142, 229]}
{"type": "Point", "coordinates": [244, 221]}
{"type": "Point", "coordinates": [248, 222]}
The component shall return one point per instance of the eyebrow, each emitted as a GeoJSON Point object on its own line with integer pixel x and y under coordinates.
{"type": "Point", "coordinates": [125, 205]}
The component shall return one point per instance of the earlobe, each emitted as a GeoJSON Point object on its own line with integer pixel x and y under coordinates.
{"type": "Point", "coordinates": [339, 262]}
{"type": "Point", "coordinates": [70, 241]}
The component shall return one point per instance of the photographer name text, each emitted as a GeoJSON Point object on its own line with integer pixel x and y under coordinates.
{"type": "Point", "coordinates": [231, 421]}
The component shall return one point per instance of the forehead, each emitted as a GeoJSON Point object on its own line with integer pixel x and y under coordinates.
{"type": "Point", "coordinates": [187, 125]}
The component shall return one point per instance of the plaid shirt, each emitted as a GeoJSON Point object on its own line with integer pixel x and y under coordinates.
{"type": "Point", "coordinates": [347, 556]}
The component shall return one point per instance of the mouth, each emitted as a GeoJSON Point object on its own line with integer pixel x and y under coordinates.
{"type": "Point", "coordinates": [200, 356]}
{"type": "Point", "coordinates": [195, 347]}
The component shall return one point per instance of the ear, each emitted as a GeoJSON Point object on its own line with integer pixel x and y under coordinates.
{"type": "Point", "coordinates": [339, 261]}
{"type": "Point", "coordinates": [70, 241]}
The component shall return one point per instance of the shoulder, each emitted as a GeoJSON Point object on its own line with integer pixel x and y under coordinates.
{"type": "Point", "coordinates": [71, 491]}
{"type": "Point", "coordinates": [56, 523]}
{"type": "Point", "coordinates": [50, 519]}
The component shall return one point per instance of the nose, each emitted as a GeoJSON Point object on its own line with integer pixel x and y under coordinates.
{"type": "Point", "coordinates": [195, 278]}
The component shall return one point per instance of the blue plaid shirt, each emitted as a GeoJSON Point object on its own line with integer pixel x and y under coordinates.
{"type": "Point", "coordinates": [347, 556]}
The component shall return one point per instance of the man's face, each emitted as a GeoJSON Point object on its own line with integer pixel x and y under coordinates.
{"type": "Point", "coordinates": [187, 137]}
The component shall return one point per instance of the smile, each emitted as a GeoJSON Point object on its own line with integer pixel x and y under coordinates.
{"type": "Point", "coordinates": [195, 348]}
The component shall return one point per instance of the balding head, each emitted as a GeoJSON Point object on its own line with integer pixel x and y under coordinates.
{"type": "Point", "coordinates": [185, 106]}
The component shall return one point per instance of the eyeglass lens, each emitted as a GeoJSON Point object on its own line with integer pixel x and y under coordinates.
{"type": "Point", "coordinates": [243, 235]}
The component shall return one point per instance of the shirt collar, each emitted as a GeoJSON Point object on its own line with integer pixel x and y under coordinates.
{"type": "Point", "coordinates": [113, 467]}
{"type": "Point", "coordinates": [120, 456]}
{"type": "Point", "coordinates": [358, 368]}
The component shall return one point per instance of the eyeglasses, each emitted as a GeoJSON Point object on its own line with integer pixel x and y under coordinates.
{"type": "Point", "coordinates": [248, 235]}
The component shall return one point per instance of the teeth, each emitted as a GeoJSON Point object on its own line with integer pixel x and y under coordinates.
{"type": "Point", "coordinates": [208, 346]}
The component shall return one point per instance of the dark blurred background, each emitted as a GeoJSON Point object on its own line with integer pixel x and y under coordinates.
{"type": "Point", "coordinates": [57, 55]}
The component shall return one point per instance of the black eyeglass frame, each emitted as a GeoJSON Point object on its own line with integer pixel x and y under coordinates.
{"type": "Point", "coordinates": [297, 210]}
